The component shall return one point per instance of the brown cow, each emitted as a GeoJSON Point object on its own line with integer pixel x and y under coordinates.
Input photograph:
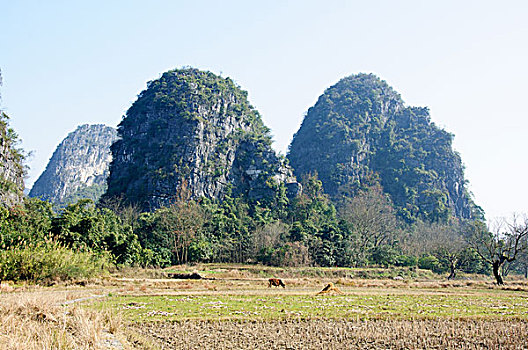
{"type": "Point", "coordinates": [276, 282]}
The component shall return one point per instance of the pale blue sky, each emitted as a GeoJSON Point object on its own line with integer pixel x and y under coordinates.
{"type": "Point", "coordinates": [66, 63]}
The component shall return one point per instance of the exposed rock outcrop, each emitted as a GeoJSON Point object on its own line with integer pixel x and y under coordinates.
{"type": "Point", "coordinates": [78, 167]}
{"type": "Point", "coordinates": [194, 130]}
{"type": "Point", "coordinates": [360, 132]}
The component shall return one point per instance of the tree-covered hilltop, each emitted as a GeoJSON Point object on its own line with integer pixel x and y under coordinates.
{"type": "Point", "coordinates": [360, 133]}
{"type": "Point", "coordinates": [196, 130]}
{"type": "Point", "coordinates": [78, 168]}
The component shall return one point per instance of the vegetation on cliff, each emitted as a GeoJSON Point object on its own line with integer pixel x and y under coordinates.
{"type": "Point", "coordinates": [360, 133]}
{"type": "Point", "coordinates": [195, 129]}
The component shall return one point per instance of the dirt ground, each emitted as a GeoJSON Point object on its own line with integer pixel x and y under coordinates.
{"type": "Point", "coordinates": [337, 334]}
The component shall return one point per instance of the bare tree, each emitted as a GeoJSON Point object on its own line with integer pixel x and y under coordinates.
{"type": "Point", "coordinates": [372, 220]}
{"type": "Point", "coordinates": [269, 235]}
{"type": "Point", "coordinates": [450, 245]}
{"type": "Point", "coordinates": [183, 221]}
{"type": "Point", "coordinates": [500, 243]}
{"type": "Point", "coordinates": [129, 213]}
{"type": "Point", "coordinates": [296, 254]}
{"type": "Point", "coordinates": [443, 240]}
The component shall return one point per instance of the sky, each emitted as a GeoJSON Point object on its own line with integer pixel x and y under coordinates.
{"type": "Point", "coordinates": [67, 63]}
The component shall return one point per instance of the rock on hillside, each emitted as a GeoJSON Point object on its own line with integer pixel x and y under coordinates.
{"type": "Point", "coordinates": [360, 132]}
{"type": "Point", "coordinates": [78, 167]}
{"type": "Point", "coordinates": [11, 168]}
{"type": "Point", "coordinates": [195, 130]}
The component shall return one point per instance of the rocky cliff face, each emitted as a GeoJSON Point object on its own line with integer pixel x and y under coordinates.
{"type": "Point", "coordinates": [11, 168]}
{"type": "Point", "coordinates": [78, 167]}
{"type": "Point", "coordinates": [194, 130]}
{"type": "Point", "coordinates": [360, 132]}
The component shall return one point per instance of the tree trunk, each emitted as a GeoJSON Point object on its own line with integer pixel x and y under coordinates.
{"type": "Point", "coordinates": [452, 267]}
{"type": "Point", "coordinates": [496, 272]}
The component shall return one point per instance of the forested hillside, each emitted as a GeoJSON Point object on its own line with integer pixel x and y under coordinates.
{"type": "Point", "coordinates": [360, 133]}
{"type": "Point", "coordinates": [195, 131]}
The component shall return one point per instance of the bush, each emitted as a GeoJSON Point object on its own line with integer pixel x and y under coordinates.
{"type": "Point", "coordinates": [429, 262]}
{"type": "Point", "coordinates": [406, 260]}
{"type": "Point", "coordinates": [50, 261]}
{"type": "Point", "coordinates": [383, 255]}
{"type": "Point", "coordinates": [200, 250]}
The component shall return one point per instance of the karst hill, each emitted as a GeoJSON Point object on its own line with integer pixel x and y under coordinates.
{"type": "Point", "coordinates": [78, 168]}
{"type": "Point", "coordinates": [192, 133]}
{"type": "Point", "coordinates": [360, 132]}
{"type": "Point", "coordinates": [195, 132]}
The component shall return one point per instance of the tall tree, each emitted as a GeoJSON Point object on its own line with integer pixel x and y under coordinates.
{"type": "Point", "coordinates": [371, 220]}
{"type": "Point", "coordinates": [314, 222]}
{"type": "Point", "coordinates": [500, 243]}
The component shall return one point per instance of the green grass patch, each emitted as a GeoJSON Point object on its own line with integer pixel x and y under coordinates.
{"type": "Point", "coordinates": [48, 261]}
{"type": "Point", "coordinates": [485, 305]}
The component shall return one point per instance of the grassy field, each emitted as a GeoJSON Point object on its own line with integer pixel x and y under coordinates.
{"type": "Point", "coordinates": [354, 305]}
{"type": "Point", "coordinates": [233, 309]}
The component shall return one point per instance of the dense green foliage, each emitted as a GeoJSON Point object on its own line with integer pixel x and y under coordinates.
{"type": "Point", "coordinates": [81, 225]}
{"type": "Point", "coordinates": [303, 232]}
{"type": "Point", "coordinates": [360, 133]}
{"type": "Point", "coordinates": [93, 192]}
{"type": "Point", "coordinates": [38, 244]}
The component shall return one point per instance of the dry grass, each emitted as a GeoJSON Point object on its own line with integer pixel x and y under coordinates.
{"type": "Point", "coordinates": [339, 334]}
{"type": "Point", "coordinates": [40, 320]}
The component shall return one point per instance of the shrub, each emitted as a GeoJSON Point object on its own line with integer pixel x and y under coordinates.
{"type": "Point", "coordinates": [200, 250]}
{"type": "Point", "coordinates": [406, 260]}
{"type": "Point", "coordinates": [383, 255]}
{"type": "Point", "coordinates": [429, 262]}
{"type": "Point", "coordinates": [50, 261]}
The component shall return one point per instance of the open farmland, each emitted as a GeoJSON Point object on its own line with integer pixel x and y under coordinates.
{"type": "Point", "coordinates": [235, 310]}
{"type": "Point", "coordinates": [232, 308]}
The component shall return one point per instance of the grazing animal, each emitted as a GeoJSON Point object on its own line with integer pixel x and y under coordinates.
{"type": "Point", "coordinates": [277, 282]}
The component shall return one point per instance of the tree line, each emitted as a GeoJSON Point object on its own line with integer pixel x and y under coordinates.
{"type": "Point", "coordinates": [309, 230]}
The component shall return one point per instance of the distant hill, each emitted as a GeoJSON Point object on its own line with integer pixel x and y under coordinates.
{"type": "Point", "coordinates": [360, 132]}
{"type": "Point", "coordinates": [196, 132]}
{"type": "Point", "coordinates": [79, 166]}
